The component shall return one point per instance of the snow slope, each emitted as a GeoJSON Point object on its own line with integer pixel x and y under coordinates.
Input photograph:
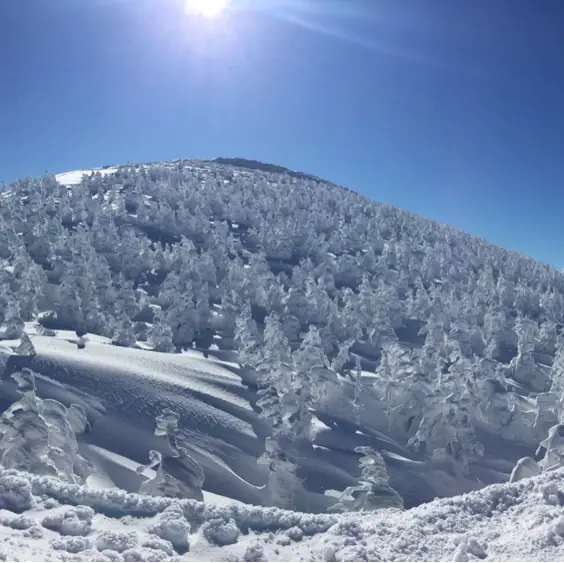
{"type": "Point", "coordinates": [74, 177]}
{"type": "Point", "coordinates": [123, 389]}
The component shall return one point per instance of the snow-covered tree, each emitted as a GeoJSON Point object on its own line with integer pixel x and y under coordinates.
{"type": "Point", "coordinates": [247, 337]}
{"type": "Point", "coordinates": [13, 326]}
{"type": "Point", "coordinates": [554, 449]}
{"type": "Point", "coordinates": [310, 354]}
{"type": "Point", "coordinates": [160, 335]}
{"type": "Point", "coordinates": [283, 489]}
{"type": "Point", "coordinates": [39, 435]}
{"type": "Point", "coordinates": [163, 483]}
{"type": "Point", "coordinates": [524, 365]}
{"type": "Point", "coordinates": [275, 351]}
{"type": "Point", "coordinates": [26, 347]}
{"type": "Point", "coordinates": [557, 371]}
{"type": "Point", "coordinates": [373, 491]}
{"type": "Point", "coordinates": [342, 357]}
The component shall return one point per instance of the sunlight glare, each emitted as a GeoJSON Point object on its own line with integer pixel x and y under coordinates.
{"type": "Point", "coordinates": [206, 8]}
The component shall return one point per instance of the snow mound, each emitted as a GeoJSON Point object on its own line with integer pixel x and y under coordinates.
{"type": "Point", "coordinates": [509, 522]}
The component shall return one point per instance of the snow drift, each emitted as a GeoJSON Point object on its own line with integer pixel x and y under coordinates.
{"type": "Point", "coordinates": [48, 520]}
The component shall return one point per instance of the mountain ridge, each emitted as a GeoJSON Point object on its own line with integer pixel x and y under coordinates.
{"type": "Point", "coordinates": [263, 166]}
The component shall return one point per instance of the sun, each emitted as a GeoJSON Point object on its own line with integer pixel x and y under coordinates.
{"type": "Point", "coordinates": [206, 8]}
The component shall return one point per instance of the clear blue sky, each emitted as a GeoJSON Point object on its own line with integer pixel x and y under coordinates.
{"type": "Point", "coordinates": [450, 108]}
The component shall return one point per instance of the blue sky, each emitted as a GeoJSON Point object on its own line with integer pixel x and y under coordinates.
{"type": "Point", "coordinates": [453, 109]}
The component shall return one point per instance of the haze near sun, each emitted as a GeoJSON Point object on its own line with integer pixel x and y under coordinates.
{"type": "Point", "coordinates": [206, 8]}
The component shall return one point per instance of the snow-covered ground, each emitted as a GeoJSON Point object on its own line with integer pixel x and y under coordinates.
{"type": "Point", "coordinates": [121, 390]}
{"type": "Point", "coordinates": [42, 519]}
{"type": "Point", "coordinates": [74, 177]}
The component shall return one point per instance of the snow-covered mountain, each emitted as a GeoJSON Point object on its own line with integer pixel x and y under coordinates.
{"type": "Point", "coordinates": [234, 332]}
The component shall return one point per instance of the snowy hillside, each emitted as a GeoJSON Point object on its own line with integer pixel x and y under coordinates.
{"type": "Point", "coordinates": [245, 334]}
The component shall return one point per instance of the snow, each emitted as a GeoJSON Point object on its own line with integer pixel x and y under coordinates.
{"type": "Point", "coordinates": [74, 177]}
{"type": "Point", "coordinates": [101, 377]}
{"type": "Point", "coordinates": [130, 384]}
{"type": "Point", "coordinates": [510, 522]}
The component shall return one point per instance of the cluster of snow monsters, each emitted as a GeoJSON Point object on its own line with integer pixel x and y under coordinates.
{"type": "Point", "coordinates": [311, 283]}
{"type": "Point", "coordinates": [38, 436]}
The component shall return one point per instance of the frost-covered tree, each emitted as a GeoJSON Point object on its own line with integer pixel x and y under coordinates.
{"type": "Point", "coordinates": [285, 404]}
{"type": "Point", "coordinates": [283, 488]}
{"type": "Point", "coordinates": [524, 365]}
{"type": "Point", "coordinates": [284, 399]}
{"type": "Point", "coordinates": [247, 337]}
{"type": "Point", "coordinates": [123, 333]}
{"type": "Point", "coordinates": [548, 337]}
{"type": "Point", "coordinates": [547, 411]}
{"type": "Point", "coordinates": [160, 335]}
{"type": "Point", "coordinates": [183, 318]}
{"type": "Point", "coordinates": [126, 297]}
{"type": "Point", "coordinates": [70, 312]}
{"type": "Point", "coordinates": [26, 347]}
{"type": "Point", "coordinates": [420, 305]}
{"type": "Point", "coordinates": [31, 280]}
{"type": "Point", "coordinates": [343, 356]}
{"type": "Point", "coordinates": [39, 435]}
{"type": "Point", "coordinates": [554, 449]}
{"type": "Point", "coordinates": [407, 388]}
{"type": "Point", "coordinates": [494, 326]}
{"type": "Point", "coordinates": [275, 351]}
{"type": "Point", "coordinates": [163, 483]}
{"type": "Point", "coordinates": [310, 354]}
{"type": "Point", "coordinates": [557, 371]}
{"type": "Point", "coordinates": [13, 326]}
{"type": "Point", "coordinates": [373, 491]}
{"type": "Point", "coordinates": [465, 448]}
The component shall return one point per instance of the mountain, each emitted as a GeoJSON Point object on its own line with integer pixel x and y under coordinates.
{"type": "Point", "coordinates": [233, 331]}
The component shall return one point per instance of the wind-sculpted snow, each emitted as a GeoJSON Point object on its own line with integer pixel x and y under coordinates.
{"type": "Point", "coordinates": [130, 388]}
{"type": "Point", "coordinates": [52, 521]}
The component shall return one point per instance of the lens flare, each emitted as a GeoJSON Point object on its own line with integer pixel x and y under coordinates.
{"type": "Point", "coordinates": [206, 8]}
